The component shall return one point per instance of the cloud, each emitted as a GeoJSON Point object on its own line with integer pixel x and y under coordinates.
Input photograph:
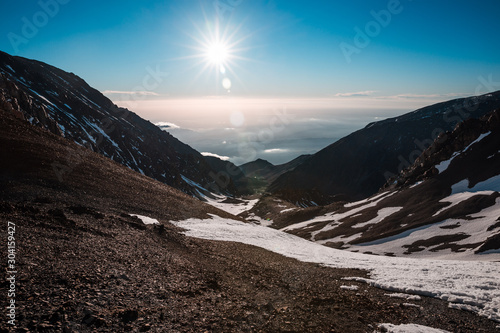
{"type": "Point", "coordinates": [142, 93]}
{"type": "Point", "coordinates": [165, 125]}
{"type": "Point", "coordinates": [224, 158]}
{"type": "Point", "coordinates": [356, 94]}
{"type": "Point", "coordinates": [275, 151]}
{"type": "Point", "coordinates": [429, 96]}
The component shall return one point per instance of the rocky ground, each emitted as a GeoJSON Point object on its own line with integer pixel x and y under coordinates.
{"type": "Point", "coordinates": [86, 270]}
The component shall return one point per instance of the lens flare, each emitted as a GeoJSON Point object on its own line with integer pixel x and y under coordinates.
{"type": "Point", "coordinates": [217, 53]}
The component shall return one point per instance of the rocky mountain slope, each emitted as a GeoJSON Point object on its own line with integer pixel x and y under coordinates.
{"type": "Point", "coordinates": [446, 204]}
{"type": "Point", "coordinates": [265, 172]}
{"type": "Point", "coordinates": [356, 166]}
{"type": "Point", "coordinates": [85, 264]}
{"type": "Point", "coordinates": [67, 106]}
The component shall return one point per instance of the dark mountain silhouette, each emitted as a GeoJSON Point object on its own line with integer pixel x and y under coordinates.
{"type": "Point", "coordinates": [265, 172]}
{"type": "Point", "coordinates": [66, 105]}
{"type": "Point", "coordinates": [356, 166]}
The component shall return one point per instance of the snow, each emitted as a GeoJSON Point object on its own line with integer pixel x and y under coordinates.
{"type": "Point", "coordinates": [63, 129]}
{"type": "Point", "coordinates": [234, 209]}
{"type": "Point", "coordinates": [287, 210]}
{"type": "Point", "coordinates": [404, 296]}
{"type": "Point", "coordinates": [476, 229]}
{"type": "Point", "coordinates": [97, 129]}
{"type": "Point", "coordinates": [364, 201]}
{"type": "Point", "coordinates": [409, 328]}
{"type": "Point", "coordinates": [474, 284]}
{"type": "Point", "coordinates": [335, 218]}
{"type": "Point", "coordinates": [482, 136]}
{"type": "Point", "coordinates": [13, 71]}
{"type": "Point", "coordinates": [381, 215]}
{"type": "Point", "coordinates": [217, 200]}
{"type": "Point", "coordinates": [457, 198]}
{"type": "Point", "coordinates": [416, 184]}
{"type": "Point", "coordinates": [492, 184]}
{"type": "Point", "coordinates": [445, 164]}
{"type": "Point", "coordinates": [329, 217]}
{"type": "Point", "coordinates": [257, 219]}
{"type": "Point", "coordinates": [145, 219]}
{"type": "Point", "coordinates": [192, 183]}
{"type": "Point", "coordinates": [351, 287]}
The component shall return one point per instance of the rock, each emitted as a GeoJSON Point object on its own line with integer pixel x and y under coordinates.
{"type": "Point", "coordinates": [128, 316]}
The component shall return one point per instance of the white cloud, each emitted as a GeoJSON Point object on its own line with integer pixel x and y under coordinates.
{"type": "Point", "coordinates": [275, 151]}
{"type": "Point", "coordinates": [224, 158]}
{"type": "Point", "coordinates": [356, 94]}
{"type": "Point", "coordinates": [164, 125]}
{"type": "Point", "coordinates": [427, 96]}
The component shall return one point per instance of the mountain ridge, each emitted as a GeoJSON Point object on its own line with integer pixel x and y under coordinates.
{"type": "Point", "coordinates": [66, 105]}
{"type": "Point", "coordinates": [359, 164]}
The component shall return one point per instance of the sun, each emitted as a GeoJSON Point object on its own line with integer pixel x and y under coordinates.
{"type": "Point", "coordinates": [217, 53]}
{"type": "Point", "coordinates": [218, 50]}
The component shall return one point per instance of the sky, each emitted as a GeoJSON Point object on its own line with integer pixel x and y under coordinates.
{"type": "Point", "coordinates": [221, 70]}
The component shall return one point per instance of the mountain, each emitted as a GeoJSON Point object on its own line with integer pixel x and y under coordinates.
{"type": "Point", "coordinates": [265, 172]}
{"type": "Point", "coordinates": [356, 166]}
{"type": "Point", "coordinates": [446, 204]}
{"type": "Point", "coordinates": [228, 173]}
{"type": "Point", "coordinates": [67, 106]}
{"type": "Point", "coordinates": [256, 168]}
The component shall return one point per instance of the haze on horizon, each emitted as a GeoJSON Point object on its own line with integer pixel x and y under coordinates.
{"type": "Point", "coordinates": [223, 71]}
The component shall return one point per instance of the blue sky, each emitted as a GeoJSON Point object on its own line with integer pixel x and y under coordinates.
{"type": "Point", "coordinates": [427, 51]}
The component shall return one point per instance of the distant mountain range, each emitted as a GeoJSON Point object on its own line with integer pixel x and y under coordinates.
{"type": "Point", "coordinates": [263, 173]}
{"type": "Point", "coordinates": [358, 165]}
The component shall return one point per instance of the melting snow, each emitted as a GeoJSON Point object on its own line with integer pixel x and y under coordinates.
{"type": "Point", "coordinates": [352, 287]}
{"type": "Point", "coordinates": [233, 208]}
{"type": "Point", "coordinates": [381, 215]}
{"type": "Point", "coordinates": [146, 220]}
{"type": "Point", "coordinates": [492, 184]}
{"type": "Point", "coordinates": [445, 164]}
{"type": "Point", "coordinates": [475, 284]}
{"type": "Point", "coordinates": [457, 198]}
{"type": "Point", "coordinates": [476, 229]}
{"type": "Point", "coordinates": [409, 328]}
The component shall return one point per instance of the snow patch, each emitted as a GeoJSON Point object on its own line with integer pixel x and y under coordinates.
{"type": "Point", "coordinates": [351, 287]}
{"type": "Point", "coordinates": [381, 215]}
{"type": "Point", "coordinates": [146, 220]}
{"type": "Point", "coordinates": [472, 283]}
{"type": "Point", "coordinates": [409, 328]}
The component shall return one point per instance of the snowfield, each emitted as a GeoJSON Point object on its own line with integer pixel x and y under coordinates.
{"type": "Point", "coordinates": [468, 285]}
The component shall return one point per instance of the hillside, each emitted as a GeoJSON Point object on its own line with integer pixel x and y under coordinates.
{"type": "Point", "coordinates": [66, 105]}
{"type": "Point", "coordinates": [358, 165]}
{"type": "Point", "coordinates": [263, 173]}
{"type": "Point", "coordinates": [446, 205]}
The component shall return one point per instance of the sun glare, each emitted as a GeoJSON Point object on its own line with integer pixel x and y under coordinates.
{"type": "Point", "coordinates": [217, 53]}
